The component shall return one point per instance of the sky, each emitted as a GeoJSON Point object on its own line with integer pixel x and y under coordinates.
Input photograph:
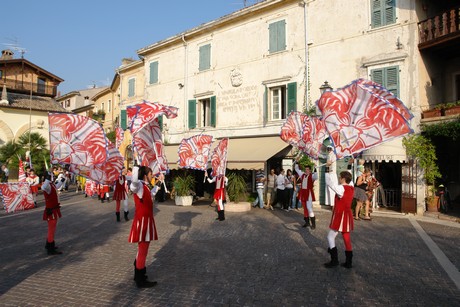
{"type": "Point", "coordinates": [84, 41]}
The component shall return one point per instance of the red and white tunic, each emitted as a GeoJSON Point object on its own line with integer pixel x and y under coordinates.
{"type": "Point", "coordinates": [342, 216]}
{"type": "Point", "coordinates": [33, 181]}
{"type": "Point", "coordinates": [219, 192]}
{"type": "Point", "coordinates": [119, 192]}
{"type": "Point", "coordinates": [51, 202]}
{"type": "Point", "coordinates": [143, 228]}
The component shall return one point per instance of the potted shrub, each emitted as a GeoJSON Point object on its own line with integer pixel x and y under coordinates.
{"type": "Point", "coordinates": [183, 189]}
{"type": "Point", "coordinates": [236, 188]}
{"type": "Point", "coordinates": [237, 194]}
{"type": "Point", "coordinates": [436, 112]}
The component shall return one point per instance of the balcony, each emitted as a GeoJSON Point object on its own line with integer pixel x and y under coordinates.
{"type": "Point", "coordinates": [441, 32]}
{"type": "Point", "coordinates": [25, 88]}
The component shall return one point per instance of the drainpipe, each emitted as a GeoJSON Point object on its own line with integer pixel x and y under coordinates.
{"type": "Point", "coordinates": [185, 80]}
{"type": "Point", "coordinates": [305, 20]}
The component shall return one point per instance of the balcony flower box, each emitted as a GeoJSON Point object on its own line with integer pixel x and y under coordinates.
{"type": "Point", "coordinates": [431, 113]}
{"type": "Point", "coordinates": [455, 110]}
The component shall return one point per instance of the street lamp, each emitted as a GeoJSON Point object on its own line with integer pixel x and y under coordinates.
{"type": "Point", "coordinates": [325, 87]}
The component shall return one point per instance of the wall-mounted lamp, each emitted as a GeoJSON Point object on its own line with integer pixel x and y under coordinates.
{"type": "Point", "coordinates": [180, 85]}
{"type": "Point", "coordinates": [325, 87]}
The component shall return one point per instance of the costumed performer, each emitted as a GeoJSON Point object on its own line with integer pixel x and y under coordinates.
{"type": "Point", "coordinates": [143, 229]}
{"type": "Point", "coordinates": [120, 194]}
{"type": "Point", "coordinates": [34, 183]}
{"type": "Point", "coordinates": [306, 195]}
{"type": "Point", "coordinates": [342, 218]}
{"type": "Point", "coordinates": [219, 194]}
{"type": "Point", "coordinates": [52, 210]}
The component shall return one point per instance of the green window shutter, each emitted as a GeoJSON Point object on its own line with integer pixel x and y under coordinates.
{"type": "Point", "coordinates": [387, 77]}
{"type": "Point", "coordinates": [291, 97]}
{"type": "Point", "coordinates": [265, 111]}
{"type": "Point", "coordinates": [281, 35]}
{"type": "Point", "coordinates": [213, 111]}
{"type": "Point", "coordinates": [390, 14]}
{"type": "Point", "coordinates": [376, 20]}
{"type": "Point", "coordinates": [154, 72]}
{"type": "Point", "coordinates": [205, 57]}
{"type": "Point", "coordinates": [131, 87]}
{"type": "Point", "coordinates": [277, 36]}
{"type": "Point", "coordinates": [160, 122]}
{"type": "Point", "coordinates": [123, 119]}
{"type": "Point", "coordinates": [272, 37]}
{"type": "Point", "coordinates": [392, 79]}
{"type": "Point", "coordinates": [377, 76]}
{"type": "Point", "coordinates": [192, 114]}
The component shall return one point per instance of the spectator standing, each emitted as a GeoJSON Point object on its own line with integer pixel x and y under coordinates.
{"type": "Point", "coordinates": [297, 185]}
{"type": "Point", "coordinates": [281, 190]}
{"type": "Point", "coordinates": [331, 168]}
{"type": "Point", "coordinates": [271, 185]}
{"type": "Point", "coordinates": [5, 173]}
{"type": "Point", "coordinates": [260, 187]}
{"type": "Point", "coordinates": [289, 188]}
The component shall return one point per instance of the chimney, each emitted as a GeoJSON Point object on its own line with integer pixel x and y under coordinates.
{"type": "Point", "coordinates": [7, 54]}
{"type": "Point", "coordinates": [4, 96]}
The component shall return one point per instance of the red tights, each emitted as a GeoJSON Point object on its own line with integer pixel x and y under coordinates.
{"type": "Point", "coordinates": [142, 250]}
{"type": "Point", "coordinates": [347, 241]}
{"type": "Point", "coordinates": [117, 209]}
{"type": "Point", "coordinates": [52, 223]}
{"type": "Point", "coordinates": [305, 210]}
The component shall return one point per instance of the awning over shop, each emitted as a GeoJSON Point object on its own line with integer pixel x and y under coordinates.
{"type": "Point", "coordinates": [389, 151]}
{"type": "Point", "coordinates": [243, 153]}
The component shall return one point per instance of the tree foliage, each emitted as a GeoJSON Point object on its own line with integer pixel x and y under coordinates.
{"type": "Point", "coordinates": [111, 136]}
{"type": "Point", "coordinates": [38, 147]}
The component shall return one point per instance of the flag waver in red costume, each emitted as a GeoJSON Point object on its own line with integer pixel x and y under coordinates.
{"type": "Point", "coordinates": [120, 194]}
{"type": "Point", "coordinates": [52, 211]}
{"type": "Point", "coordinates": [219, 194]}
{"type": "Point", "coordinates": [342, 217]}
{"type": "Point", "coordinates": [143, 229]}
{"type": "Point", "coordinates": [306, 194]}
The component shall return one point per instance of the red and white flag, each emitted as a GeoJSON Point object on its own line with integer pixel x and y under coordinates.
{"type": "Point", "coordinates": [194, 152]}
{"type": "Point", "coordinates": [16, 196]}
{"type": "Point", "coordinates": [219, 158]}
{"type": "Point", "coordinates": [21, 173]}
{"type": "Point", "coordinates": [119, 135]}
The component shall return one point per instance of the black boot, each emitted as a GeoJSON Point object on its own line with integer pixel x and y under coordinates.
{"type": "Point", "coordinates": [334, 258]}
{"type": "Point", "coordinates": [52, 249]}
{"type": "Point", "coordinates": [126, 215]}
{"type": "Point", "coordinates": [142, 280]}
{"type": "Point", "coordinates": [118, 216]}
{"type": "Point", "coordinates": [349, 256]}
{"type": "Point", "coordinates": [307, 222]}
{"type": "Point", "coordinates": [221, 215]}
{"type": "Point", "coordinates": [102, 198]}
{"type": "Point", "coordinates": [313, 222]}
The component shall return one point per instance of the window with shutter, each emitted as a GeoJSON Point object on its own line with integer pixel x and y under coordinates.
{"type": "Point", "coordinates": [205, 57]}
{"type": "Point", "coordinates": [383, 12]}
{"type": "Point", "coordinates": [131, 87]}
{"type": "Point", "coordinates": [154, 72]}
{"type": "Point", "coordinates": [277, 36]}
{"type": "Point", "coordinates": [387, 77]}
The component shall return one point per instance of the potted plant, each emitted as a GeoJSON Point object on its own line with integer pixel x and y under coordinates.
{"type": "Point", "coordinates": [435, 112]}
{"type": "Point", "coordinates": [237, 194]}
{"type": "Point", "coordinates": [452, 108]}
{"type": "Point", "coordinates": [183, 188]}
{"type": "Point", "coordinates": [236, 188]}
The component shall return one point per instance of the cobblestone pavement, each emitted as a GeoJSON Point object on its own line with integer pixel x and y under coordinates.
{"type": "Point", "coordinates": [257, 258]}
